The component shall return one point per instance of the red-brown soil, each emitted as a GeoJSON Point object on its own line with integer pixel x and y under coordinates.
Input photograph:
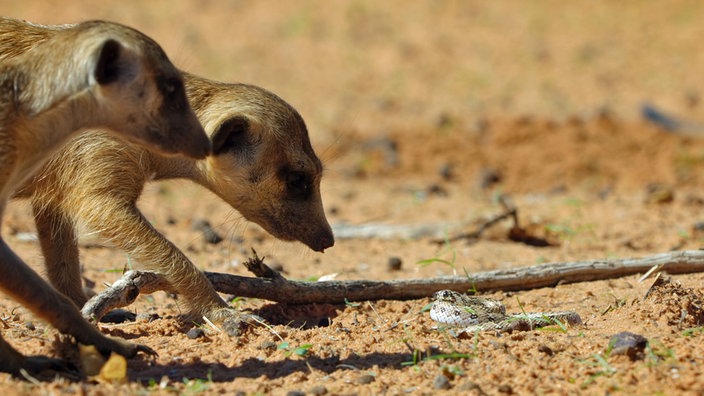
{"type": "Point", "coordinates": [536, 101]}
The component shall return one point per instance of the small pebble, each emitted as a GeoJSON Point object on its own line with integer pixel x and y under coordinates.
{"type": "Point", "coordinates": [480, 126]}
{"type": "Point", "coordinates": [558, 189]}
{"type": "Point", "coordinates": [546, 350]}
{"type": "Point", "coordinates": [438, 190]}
{"type": "Point", "coordinates": [296, 393]}
{"type": "Point", "coordinates": [148, 317]}
{"type": "Point", "coordinates": [318, 390]}
{"type": "Point", "coordinates": [488, 177]}
{"type": "Point", "coordinates": [444, 120]}
{"type": "Point", "coordinates": [629, 344]}
{"type": "Point", "coordinates": [694, 200]}
{"type": "Point", "coordinates": [234, 326]}
{"type": "Point", "coordinates": [447, 171]}
{"type": "Point", "coordinates": [267, 345]}
{"type": "Point", "coordinates": [195, 332]}
{"type": "Point", "coordinates": [118, 316]}
{"type": "Point", "coordinates": [470, 386]}
{"type": "Point", "coordinates": [605, 192]}
{"type": "Point", "coordinates": [395, 263]}
{"type": "Point", "coordinates": [693, 99]}
{"type": "Point", "coordinates": [441, 382]}
{"type": "Point", "coordinates": [207, 230]}
{"type": "Point", "coordinates": [365, 379]}
{"type": "Point", "coordinates": [30, 326]}
{"type": "Point", "coordinates": [505, 389]}
{"type": "Point", "coordinates": [657, 193]}
{"type": "Point", "coordinates": [698, 226]}
{"type": "Point", "coordinates": [389, 149]}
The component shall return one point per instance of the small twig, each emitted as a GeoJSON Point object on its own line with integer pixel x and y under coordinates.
{"type": "Point", "coordinates": [25, 374]}
{"type": "Point", "coordinates": [650, 272]}
{"type": "Point", "coordinates": [474, 235]}
{"type": "Point", "coordinates": [211, 324]}
{"type": "Point", "coordinates": [261, 322]}
{"type": "Point", "coordinates": [257, 266]}
{"type": "Point", "coordinates": [123, 292]}
{"type": "Point", "coordinates": [510, 211]}
{"type": "Point", "coordinates": [659, 281]}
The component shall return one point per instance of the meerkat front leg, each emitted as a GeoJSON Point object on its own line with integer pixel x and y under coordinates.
{"type": "Point", "coordinates": [60, 248]}
{"type": "Point", "coordinates": [124, 225]}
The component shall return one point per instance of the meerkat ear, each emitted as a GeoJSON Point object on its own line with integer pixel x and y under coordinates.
{"type": "Point", "coordinates": [109, 68]}
{"type": "Point", "coordinates": [231, 135]}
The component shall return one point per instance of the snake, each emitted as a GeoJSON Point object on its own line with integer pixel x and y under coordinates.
{"type": "Point", "coordinates": [473, 313]}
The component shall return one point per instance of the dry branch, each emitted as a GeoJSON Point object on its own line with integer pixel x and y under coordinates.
{"type": "Point", "coordinates": [395, 231]}
{"type": "Point", "coordinates": [510, 212]}
{"type": "Point", "coordinates": [438, 231]}
{"type": "Point", "coordinates": [277, 288]}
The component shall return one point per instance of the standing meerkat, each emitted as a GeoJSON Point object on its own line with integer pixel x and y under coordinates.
{"type": "Point", "coordinates": [262, 164]}
{"type": "Point", "coordinates": [56, 81]}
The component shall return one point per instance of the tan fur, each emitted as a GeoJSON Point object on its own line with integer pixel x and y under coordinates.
{"type": "Point", "coordinates": [55, 82]}
{"type": "Point", "coordinates": [263, 165]}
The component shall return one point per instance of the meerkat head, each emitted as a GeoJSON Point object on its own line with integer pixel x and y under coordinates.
{"type": "Point", "coordinates": [262, 162]}
{"type": "Point", "coordinates": [139, 91]}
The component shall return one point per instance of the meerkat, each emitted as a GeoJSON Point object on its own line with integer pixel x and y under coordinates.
{"type": "Point", "coordinates": [56, 81]}
{"type": "Point", "coordinates": [262, 165]}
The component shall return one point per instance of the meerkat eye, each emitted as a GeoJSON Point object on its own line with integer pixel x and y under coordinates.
{"type": "Point", "coordinates": [171, 86]}
{"type": "Point", "coordinates": [298, 185]}
{"type": "Point", "coordinates": [172, 91]}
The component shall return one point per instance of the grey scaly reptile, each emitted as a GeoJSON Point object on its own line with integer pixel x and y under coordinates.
{"type": "Point", "coordinates": [480, 313]}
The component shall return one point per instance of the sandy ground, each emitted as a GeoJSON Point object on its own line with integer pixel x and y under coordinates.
{"type": "Point", "coordinates": [426, 113]}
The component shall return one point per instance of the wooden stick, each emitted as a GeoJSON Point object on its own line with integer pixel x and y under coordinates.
{"type": "Point", "coordinates": [274, 287]}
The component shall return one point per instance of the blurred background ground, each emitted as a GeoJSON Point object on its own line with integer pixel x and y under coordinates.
{"type": "Point", "coordinates": [426, 112]}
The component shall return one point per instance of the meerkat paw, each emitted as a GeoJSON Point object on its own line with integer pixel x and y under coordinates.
{"type": "Point", "coordinates": [235, 322]}
{"type": "Point", "coordinates": [106, 345]}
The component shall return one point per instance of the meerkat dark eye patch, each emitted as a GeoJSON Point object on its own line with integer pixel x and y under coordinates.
{"type": "Point", "coordinates": [109, 69]}
{"type": "Point", "coordinates": [299, 185]}
{"type": "Point", "coordinates": [231, 135]}
{"type": "Point", "coordinates": [173, 92]}
{"type": "Point", "coordinates": [170, 86]}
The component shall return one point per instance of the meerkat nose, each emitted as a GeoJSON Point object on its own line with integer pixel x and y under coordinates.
{"type": "Point", "coordinates": [323, 241]}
